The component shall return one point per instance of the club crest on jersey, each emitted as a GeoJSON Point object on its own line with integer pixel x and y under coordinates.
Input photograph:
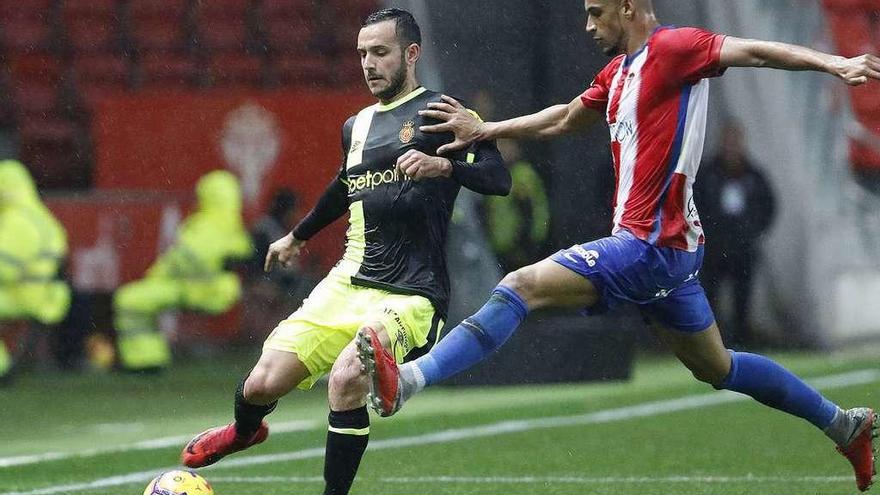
{"type": "Point", "coordinates": [407, 132]}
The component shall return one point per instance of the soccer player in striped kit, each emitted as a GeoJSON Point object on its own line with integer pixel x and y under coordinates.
{"type": "Point", "coordinates": [392, 277]}
{"type": "Point", "coordinates": [654, 97]}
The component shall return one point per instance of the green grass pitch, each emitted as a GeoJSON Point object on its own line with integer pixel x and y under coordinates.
{"type": "Point", "coordinates": [660, 433]}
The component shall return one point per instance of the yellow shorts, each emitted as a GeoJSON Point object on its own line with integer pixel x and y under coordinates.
{"type": "Point", "coordinates": [330, 317]}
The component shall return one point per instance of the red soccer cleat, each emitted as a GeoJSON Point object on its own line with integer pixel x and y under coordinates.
{"type": "Point", "coordinates": [382, 368]}
{"type": "Point", "coordinates": [860, 450]}
{"type": "Point", "coordinates": [212, 445]}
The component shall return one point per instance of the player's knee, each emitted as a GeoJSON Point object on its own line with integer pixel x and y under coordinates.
{"type": "Point", "coordinates": [523, 282]}
{"type": "Point", "coordinates": [261, 387]}
{"type": "Point", "coordinates": [343, 379]}
{"type": "Point", "coordinates": [709, 373]}
{"type": "Point", "coordinates": [347, 388]}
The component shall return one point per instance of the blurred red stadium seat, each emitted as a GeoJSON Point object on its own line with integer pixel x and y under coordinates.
{"type": "Point", "coordinates": [167, 70]}
{"type": "Point", "coordinates": [223, 34]}
{"type": "Point", "coordinates": [90, 8]}
{"type": "Point", "coordinates": [101, 70]}
{"type": "Point", "coordinates": [26, 35]}
{"type": "Point", "coordinates": [157, 34]}
{"type": "Point", "coordinates": [153, 25]}
{"type": "Point", "coordinates": [301, 70]}
{"type": "Point", "coordinates": [167, 9]}
{"type": "Point", "coordinates": [356, 10]}
{"type": "Point", "coordinates": [286, 24]}
{"type": "Point", "coordinates": [15, 9]}
{"type": "Point", "coordinates": [287, 9]}
{"type": "Point", "coordinates": [98, 11]}
{"type": "Point", "coordinates": [224, 8]}
{"type": "Point", "coordinates": [37, 68]}
{"type": "Point", "coordinates": [91, 94]}
{"type": "Point", "coordinates": [284, 35]}
{"type": "Point", "coordinates": [36, 101]}
{"type": "Point", "coordinates": [46, 129]}
{"type": "Point", "coordinates": [89, 35]}
{"type": "Point", "coordinates": [222, 25]}
{"type": "Point", "coordinates": [236, 70]}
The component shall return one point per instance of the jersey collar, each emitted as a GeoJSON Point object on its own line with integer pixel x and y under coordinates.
{"type": "Point", "coordinates": [628, 59]}
{"type": "Point", "coordinates": [394, 104]}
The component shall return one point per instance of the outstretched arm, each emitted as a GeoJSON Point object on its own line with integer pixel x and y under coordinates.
{"type": "Point", "coordinates": [738, 52]}
{"type": "Point", "coordinates": [550, 122]}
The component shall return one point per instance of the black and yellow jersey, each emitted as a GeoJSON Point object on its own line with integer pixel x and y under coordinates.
{"type": "Point", "coordinates": [397, 226]}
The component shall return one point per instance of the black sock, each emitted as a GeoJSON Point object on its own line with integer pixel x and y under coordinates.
{"type": "Point", "coordinates": [346, 441]}
{"type": "Point", "coordinates": [249, 416]}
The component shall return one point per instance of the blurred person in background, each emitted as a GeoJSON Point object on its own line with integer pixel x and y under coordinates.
{"type": "Point", "coordinates": [269, 296]}
{"type": "Point", "coordinates": [519, 224]}
{"type": "Point", "coordinates": [192, 274]}
{"type": "Point", "coordinates": [275, 224]}
{"type": "Point", "coordinates": [654, 97]}
{"type": "Point", "coordinates": [33, 248]}
{"type": "Point", "coordinates": [855, 28]}
{"type": "Point", "coordinates": [737, 206]}
{"type": "Point", "coordinates": [392, 277]}
{"type": "Point", "coordinates": [473, 265]}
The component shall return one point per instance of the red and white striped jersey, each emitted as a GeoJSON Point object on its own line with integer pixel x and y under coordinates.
{"type": "Point", "coordinates": [655, 101]}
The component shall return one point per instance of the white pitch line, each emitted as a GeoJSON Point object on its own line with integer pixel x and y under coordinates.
{"type": "Point", "coordinates": [504, 427]}
{"type": "Point", "coordinates": [582, 480]}
{"type": "Point", "coordinates": [516, 426]}
{"type": "Point", "coordinates": [156, 443]}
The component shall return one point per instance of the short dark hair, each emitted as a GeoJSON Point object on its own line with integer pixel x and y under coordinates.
{"type": "Point", "coordinates": [406, 27]}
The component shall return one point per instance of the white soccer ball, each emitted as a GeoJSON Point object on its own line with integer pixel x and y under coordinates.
{"type": "Point", "coordinates": [179, 483]}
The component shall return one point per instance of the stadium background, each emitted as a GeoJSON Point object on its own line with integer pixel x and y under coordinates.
{"type": "Point", "coordinates": [117, 107]}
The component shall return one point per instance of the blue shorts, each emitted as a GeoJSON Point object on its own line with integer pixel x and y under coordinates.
{"type": "Point", "coordinates": [662, 281]}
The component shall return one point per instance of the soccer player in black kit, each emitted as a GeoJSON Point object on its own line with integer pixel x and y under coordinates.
{"type": "Point", "coordinates": [392, 278]}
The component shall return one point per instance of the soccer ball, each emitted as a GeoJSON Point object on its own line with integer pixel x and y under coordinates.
{"type": "Point", "coordinates": [179, 483]}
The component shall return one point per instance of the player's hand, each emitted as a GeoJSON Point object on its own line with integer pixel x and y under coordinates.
{"type": "Point", "coordinates": [456, 119]}
{"type": "Point", "coordinates": [857, 70]}
{"type": "Point", "coordinates": [417, 165]}
{"type": "Point", "coordinates": [283, 251]}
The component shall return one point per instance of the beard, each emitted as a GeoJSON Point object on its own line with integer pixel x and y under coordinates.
{"type": "Point", "coordinates": [395, 83]}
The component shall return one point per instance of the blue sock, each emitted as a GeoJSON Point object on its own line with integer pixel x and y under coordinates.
{"type": "Point", "coordinates": [474, 338]}
{"type": "Point", "coordinates": [774, 386]}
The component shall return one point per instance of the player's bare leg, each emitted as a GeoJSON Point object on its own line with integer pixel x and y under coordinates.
{"type": "Point", "coordinates": [349, 423]}
{"type": "Point", "coordinates": [703, 353]}
{"type": "Point", "coordinates": [853, 430]}
{"type": "Point", "coordinates": [549, 284]}
{"type": "Point", "coordinates": [349, 386]}
{"type": "Point", "coordinates": [544, 284]}
{"type": "Point", "coordinates": [275, 375]}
